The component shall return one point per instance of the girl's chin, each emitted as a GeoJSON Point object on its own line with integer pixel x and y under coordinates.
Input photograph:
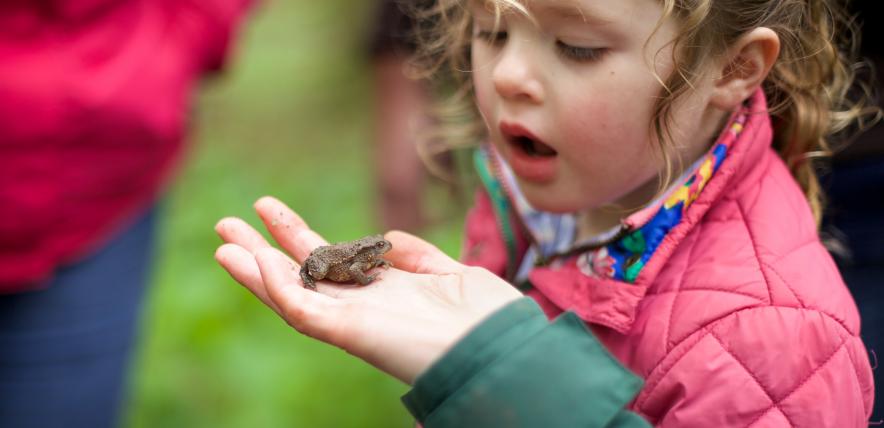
{"type": "Point", "coordinates": [549, 200]}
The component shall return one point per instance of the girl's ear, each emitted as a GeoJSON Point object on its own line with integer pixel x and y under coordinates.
{"type": "Point", "coordinates": [744, 67]}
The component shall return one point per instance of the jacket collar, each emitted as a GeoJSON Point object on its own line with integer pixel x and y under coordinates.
{"type": "Point", "coordinates": [647, 239]}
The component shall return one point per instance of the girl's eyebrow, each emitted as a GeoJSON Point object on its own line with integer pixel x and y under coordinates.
{"type": "Point", "coordinates": [572, 10]}
{"type": "Point", "coordinates": [565, 10]}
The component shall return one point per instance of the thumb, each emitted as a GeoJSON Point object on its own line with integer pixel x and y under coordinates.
{"type": "Point", "coordinates": [413, 254]}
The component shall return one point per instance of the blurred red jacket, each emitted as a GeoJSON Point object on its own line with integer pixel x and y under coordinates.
{"type": "Point", "coordinates": [94, 104]}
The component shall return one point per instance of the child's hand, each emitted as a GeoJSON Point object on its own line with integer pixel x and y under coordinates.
{"type": "Point", "coordinates": [400, 323]}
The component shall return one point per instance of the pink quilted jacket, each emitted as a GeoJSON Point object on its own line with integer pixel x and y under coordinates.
{"type": "Point", "coordinates": [739, 318]}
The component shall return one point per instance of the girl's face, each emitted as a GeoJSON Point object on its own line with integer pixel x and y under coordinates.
{"type": "Point", "coordinates": [568, 95]}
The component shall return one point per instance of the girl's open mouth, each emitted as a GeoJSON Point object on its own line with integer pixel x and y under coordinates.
{"type": "Point", "coordinates": [530, 158]}
{"type": "Point", "coordinates": [524, 141]}
{"type": "Point", "coordinates": [532, 147]}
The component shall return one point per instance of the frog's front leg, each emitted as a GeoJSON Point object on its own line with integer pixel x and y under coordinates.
{"type": "Point", "coordinates": [357, 272]}
{"type": "Point", "coordinates": [385, 263]}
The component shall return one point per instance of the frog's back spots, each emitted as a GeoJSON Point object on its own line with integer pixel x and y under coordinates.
{"type": "Point", "coordinates": [322, 252]}
{"type": "Point", "coordinates": [365, 257]}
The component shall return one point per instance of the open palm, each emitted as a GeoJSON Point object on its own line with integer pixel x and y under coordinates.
{"type": "Point", "coordinates": [400, 323]}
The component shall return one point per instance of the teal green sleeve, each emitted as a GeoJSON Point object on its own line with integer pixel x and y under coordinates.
{"type": "Point", "coordinates": [516, 369]}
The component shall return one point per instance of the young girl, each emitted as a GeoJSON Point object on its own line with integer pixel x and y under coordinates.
{"type": "Point", "coordinates": [647, 175]}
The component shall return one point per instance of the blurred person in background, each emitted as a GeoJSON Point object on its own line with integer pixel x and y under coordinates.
{"type": "Point", "coordinates": [95, 97]}
{"type": "Point", "coordinates": [855, 212]}
{"type": "Point", "coordinates": [400, 113]}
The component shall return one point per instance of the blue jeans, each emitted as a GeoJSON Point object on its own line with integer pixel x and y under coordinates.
{"type": "Point", "coordinates": [856, 213]}
{"type": "Point", "coordinates": [64, 350]}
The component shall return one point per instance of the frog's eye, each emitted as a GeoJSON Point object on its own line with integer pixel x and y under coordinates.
{"type": "Point", "coordinates": [380, 244]}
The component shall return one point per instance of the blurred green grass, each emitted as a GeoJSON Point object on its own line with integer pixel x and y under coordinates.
{"type": "Point", "coordinates": [291, 118]}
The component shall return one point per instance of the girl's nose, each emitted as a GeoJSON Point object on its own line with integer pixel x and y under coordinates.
{"type": "Point", "coordinates": [515, 76]}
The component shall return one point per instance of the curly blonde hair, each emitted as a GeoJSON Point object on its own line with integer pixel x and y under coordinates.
{"type": "Point", "coordinates": [810, 89]}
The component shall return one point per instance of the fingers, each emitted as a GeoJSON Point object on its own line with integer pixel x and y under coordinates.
{"type": "Point", "coordinates": [311, 313]}
{"type": "Point", "coordinates": [236, 231]}
{"type": "Point", "coordinates": [240, 263]}
{"type": "Point", "coordinates": [287, 228]}
{"type": "Point", "coordinates": [413, 254]}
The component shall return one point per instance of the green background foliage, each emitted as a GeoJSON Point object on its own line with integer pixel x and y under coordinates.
{"type": "Point", "coordinates": [292, 117]}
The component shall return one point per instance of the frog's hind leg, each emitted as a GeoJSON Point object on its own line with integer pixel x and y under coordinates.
{"type": "Point", "coordinates": [357, 272]}
{"type": "Point", "coordinates": [308, 280]}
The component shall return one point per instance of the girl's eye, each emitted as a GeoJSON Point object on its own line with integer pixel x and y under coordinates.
{"type": "Point", "coordinates": [579, 54]}
{"type": "Point", "coordinates": [492, 37]}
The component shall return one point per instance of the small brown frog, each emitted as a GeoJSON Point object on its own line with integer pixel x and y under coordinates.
{"type": "Point", "coordinates": [346, 261]}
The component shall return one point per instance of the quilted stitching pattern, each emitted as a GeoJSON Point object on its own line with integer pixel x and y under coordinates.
{"type": "Point", "coordinates": [760, 330]}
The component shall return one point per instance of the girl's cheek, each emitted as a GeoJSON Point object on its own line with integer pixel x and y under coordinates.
{"type": "Point", "coordinates": [609, 115]}
{"type": "Point", "coordinates": [590, 121]}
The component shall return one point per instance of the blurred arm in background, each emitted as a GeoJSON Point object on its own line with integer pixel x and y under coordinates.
{"type": "Point", "coordinates": [95, 101]}
{"type": "Point", "coordinates": [401, 105]}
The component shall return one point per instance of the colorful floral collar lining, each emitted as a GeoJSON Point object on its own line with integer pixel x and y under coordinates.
{"type": "Point", "coordinates": [623, 251]}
